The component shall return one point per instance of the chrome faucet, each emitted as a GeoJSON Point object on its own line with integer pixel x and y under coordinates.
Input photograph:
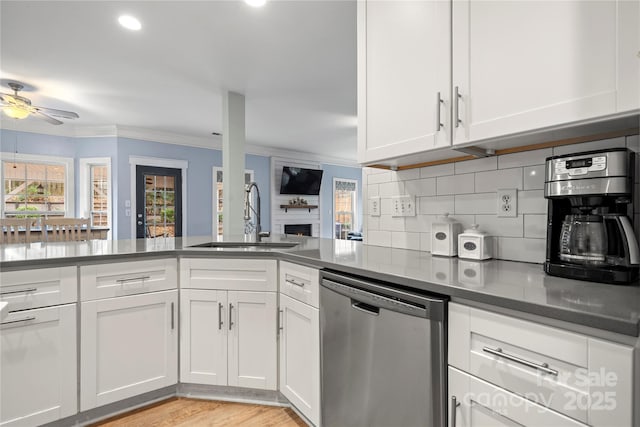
{"type": "Point", "coordinates": [259, 234]}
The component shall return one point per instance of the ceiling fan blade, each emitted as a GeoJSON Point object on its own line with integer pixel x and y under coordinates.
{"type": "Point", "coordinates": [58, 113]}
{"type": "Point", "coordinates": [47, 118]}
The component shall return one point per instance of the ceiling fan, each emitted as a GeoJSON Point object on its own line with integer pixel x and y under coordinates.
{"type": "Point", "coordinates": [19, 107]}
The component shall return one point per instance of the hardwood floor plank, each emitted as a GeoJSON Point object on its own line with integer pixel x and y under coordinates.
{"type": "Point", "coordinates": [186, 412]}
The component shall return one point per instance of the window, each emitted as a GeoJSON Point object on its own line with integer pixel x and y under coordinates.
{"type": "Point", "coordinates": [217, 197]}
{"type": "Point", "coordinates": [95, 191]}
{"type": "Point", "coordinates": [37, 186]}
{"type": "Point", "coordinates": [345, 196]}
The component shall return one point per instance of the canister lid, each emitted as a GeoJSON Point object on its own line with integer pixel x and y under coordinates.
{"type": "Point", "coordinates": [474, 231]}
{"type": "Point", "coordinates": [446, 220]}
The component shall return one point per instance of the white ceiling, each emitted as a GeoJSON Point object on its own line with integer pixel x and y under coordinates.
{"type": "Point", "coordinates": [295, 61]}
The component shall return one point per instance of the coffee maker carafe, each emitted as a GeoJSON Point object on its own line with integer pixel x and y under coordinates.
{"type": "Point", "coordinates": [589, 235]}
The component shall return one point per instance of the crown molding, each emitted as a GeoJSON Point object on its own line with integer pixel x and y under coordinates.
{"type": "Point", "coordinates": [214, 142]}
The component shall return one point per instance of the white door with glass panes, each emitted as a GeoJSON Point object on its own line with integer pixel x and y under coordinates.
{"type": "Point", "coordinates": [95, 191]}
{"type": "Point", "coordinates": [218, 198]}
{"type": "Point", "coordinates": [345, 198]}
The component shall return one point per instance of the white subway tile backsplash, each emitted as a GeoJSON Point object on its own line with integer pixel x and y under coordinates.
{"type": "Point", "coordinates": [373, 190]}
{"type": "Point", "coordinates": [420, 187]}
{"type": "Point", "coordinates": [525, 250]}
{"type": "Point", "coordinates": [373, 223]}
{"type": "Point", "coordinates": [389, 189]}
{"type": "Point", "coordinates": [477, 165]}
{"type": "Point", "coordinates": [377, 178]}
{"type": "Point", "coordinates": [438, 170]}
{"type": "Point", "coordinates": [405, 241]}
{"type": "Point", "coordinates": [535, 226]}
{"type": "Point", "coordinates": [479, 203]}
{"type": "Point", "coordinates": [436, 205]}
{"type": "Point", "coordinates": [455, 184]}
{"type": "Point", "coordinates": [504, 227]}
{"type": "Point", "coordinates": [466, 220]}
{"type": "Point", "coordinates": [405, 175]}
{"type": "Point", "coordinates": [532, 202]}
{"type": "Point", "coordinates": [525, 158]}
{"type": "Point", "coordinates": [419, 223]}
{"type": "Point", "coordinates": [534, 177]}
{"type": "Point", "coordinates": [487, 182]}
{"type": "Point", "coordinates": [386, 208]}
{"type": "Point", "coordinates": [425, 242]}
{"type": "Point", "coordinates": [378, 238]}
{"type": "Point", "coordinates": [391, 223]}
{"type": "Point", "coordinates": [588, 146]}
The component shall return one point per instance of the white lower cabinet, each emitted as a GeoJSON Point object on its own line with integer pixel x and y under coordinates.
{"type": "Point", "coordinates": [228, 338]}
{"type": "Point", "coordinates": [38, 371]}
{"type": "Point", "coordinates": [129, 346]}
{"type": "Point", "coordinates": [300, 356]}
{"type": "Point", "coordinates": [477, 403]}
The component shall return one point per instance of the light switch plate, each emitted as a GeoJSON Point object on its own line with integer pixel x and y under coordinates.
{"type": "Point", "coordinates": [403, 205]}
{"type": "Point", "coordinates": [374, 206]}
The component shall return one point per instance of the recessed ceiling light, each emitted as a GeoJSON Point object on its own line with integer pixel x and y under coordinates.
{"type": "Point", "coordinates": [255, 3]}
{"type": "Point", "coordinates": [130, 22]}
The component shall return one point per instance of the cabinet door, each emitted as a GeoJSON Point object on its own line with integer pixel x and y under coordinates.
{"type": "Point", "coordinates": [129, 346]}
{"type": "Point", "coordinates": [300, 356]}
{"type": "Point", "coordinates": [252, 339]}
{"type": "Point", "coordinates": [203, 337]}
{"type": "Point", "coordinates": [628, 49]}
{"type": "Point", "coordinates": [39, 364]}
{"type": "Point", "coordinates": [522, 65]}
{"type": "Point", "coordinates": [403, 62]}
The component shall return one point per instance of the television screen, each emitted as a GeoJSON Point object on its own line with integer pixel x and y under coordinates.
{"type": "Point", "coordinates": [300, 181]}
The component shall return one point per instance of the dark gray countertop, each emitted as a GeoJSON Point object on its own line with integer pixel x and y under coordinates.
{"type": "Point", "coordinates": [512, 285]}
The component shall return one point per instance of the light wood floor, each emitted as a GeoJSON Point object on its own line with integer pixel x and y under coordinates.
{"type": "Point", "coordinates": [184, 412]}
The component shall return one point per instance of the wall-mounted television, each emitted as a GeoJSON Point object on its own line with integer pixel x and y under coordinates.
{"type": "Point", "coordinates": [300, 181]}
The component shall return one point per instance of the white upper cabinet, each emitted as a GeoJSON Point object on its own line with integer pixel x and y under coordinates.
{"type": "Point", "coordinates": [628, 55]}
{"type": "Point", "coordinates": [403, 63]}
{"type": "Point", "coordinates": [524, 65]}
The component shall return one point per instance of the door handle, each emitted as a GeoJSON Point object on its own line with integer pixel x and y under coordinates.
{"type": "Point", "coordinates": [454, 406]}
{"type": "Point", "coordinates": [280, 320]}
{"type": "Point", "coordinates": [230, 310]}
{"type": "Point", "coordinates": [439, 102]}
{"type": "Point", "coordinates": [364, 307]}
{"type": "Point", "coordinates": [220, 322]}
{"type": "Point", "coordinates": [456, 109]}
{"type": "Point", "coordinates": [26, 291]}
{"type": "Point", "coordinates": [172, 316]}
{"type": "Point", "coordinates": [26, 319]}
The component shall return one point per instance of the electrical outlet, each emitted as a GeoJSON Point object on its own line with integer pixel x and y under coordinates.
{"type": "Point", "coordinates": [403, 206]}
{"type": "Point", "coordinates": [508, 203]}
{"type": "Point", "coordinates": [374, 206]}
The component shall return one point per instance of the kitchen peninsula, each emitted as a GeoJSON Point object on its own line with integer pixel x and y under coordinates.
{"type": "Point", "coordinates": [586, 318]}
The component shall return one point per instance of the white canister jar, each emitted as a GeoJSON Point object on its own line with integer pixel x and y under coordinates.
{"type": "Point", "coordinates": [444, 236]}
{"type": "Point", "coordinates": [475, 244]}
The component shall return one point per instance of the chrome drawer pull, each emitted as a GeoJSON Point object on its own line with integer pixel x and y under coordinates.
{"type": "Point", "coordinates": [293, 282]}
{"type": "Point", "coordinates": [220, 322]}
{"type": "Point", "coordinates": [454, 406]}
{"type": "Point", "coordinates": [19, 292]}
{"type": "Point", "coordinates": [544, 367]}
{"type": "Point", "coordinates": [26, 319]}
{"type": "Point", "coordinates": [131, 279]}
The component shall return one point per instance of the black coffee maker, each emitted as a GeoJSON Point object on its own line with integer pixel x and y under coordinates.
{"type": "Point", "coordinates": [589, 234]}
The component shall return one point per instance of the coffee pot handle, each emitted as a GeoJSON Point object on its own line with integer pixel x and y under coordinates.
{"type": "Point", "coordinates": [630, 237]}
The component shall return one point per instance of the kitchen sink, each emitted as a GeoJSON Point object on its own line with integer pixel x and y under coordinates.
{"type": "Point", "coordinates": [265, 245]}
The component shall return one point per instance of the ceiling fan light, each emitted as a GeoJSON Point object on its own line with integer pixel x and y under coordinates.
{"type": "Point", "coordinates": [15, 112]}
{"type": "Point", "coordinates": [130, 22]}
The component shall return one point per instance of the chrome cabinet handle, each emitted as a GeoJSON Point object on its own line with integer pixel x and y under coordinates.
{"type": "Point", "coordinates": [19, 292]}
{"type": "Point", "coordinates": [454, 406]}
{"type": "Point", "coordinates": [544, 367]}
{"type": "Point", "coordinates": [172, 317]}
{"type": "Point", "coordinates": [26, 319]}
{"type": "Point", "coordinates": [456, 103]}
{"type": "Point", "coordinates": [220, 322]}
{"type": "Point", "coordinates": [280, 320]}
{"type": "Point", "coordinates": [131, 279]}
{"type": "Point", "coordinates": [439, 102]}
{"type": "Point", "coordinates": [230, 321]}
{"type": "Point", "coordinates": [293, 282]}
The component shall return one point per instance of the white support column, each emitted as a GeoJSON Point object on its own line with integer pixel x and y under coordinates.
{"type": "Point", "coordinates": [233, 141]}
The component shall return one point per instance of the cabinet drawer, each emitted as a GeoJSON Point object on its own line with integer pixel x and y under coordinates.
{"type": "Point", "coordinates": [229, 274]}
{"type": "Point", "coordinates": [44, 287]}
{"type": "Point", "coordinates": [127, 278]}
{"type": "Point", "coordinates": [300, 282]}
{"type": "Point", "coordinates": [562, 370]}
{"type": "Point", "coordinates": [483, 404]}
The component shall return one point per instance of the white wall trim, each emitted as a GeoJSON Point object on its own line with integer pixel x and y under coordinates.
{"type": "Point", "coordinates": [162, 163]}
{"type": "Point", "coordinates": [84, 208]}
{"type": "Point", "coordinates": [69, 178]}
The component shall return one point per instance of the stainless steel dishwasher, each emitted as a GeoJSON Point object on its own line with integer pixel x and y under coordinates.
{"type": "Point", "coordinates": [383, 354]}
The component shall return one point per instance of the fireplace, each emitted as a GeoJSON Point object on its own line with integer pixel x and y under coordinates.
{"type": "Point", "coordinates": [298, 229]}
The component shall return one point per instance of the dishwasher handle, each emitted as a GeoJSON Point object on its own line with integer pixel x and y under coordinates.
{"type": "Point", "coordinates": [369, 309]}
